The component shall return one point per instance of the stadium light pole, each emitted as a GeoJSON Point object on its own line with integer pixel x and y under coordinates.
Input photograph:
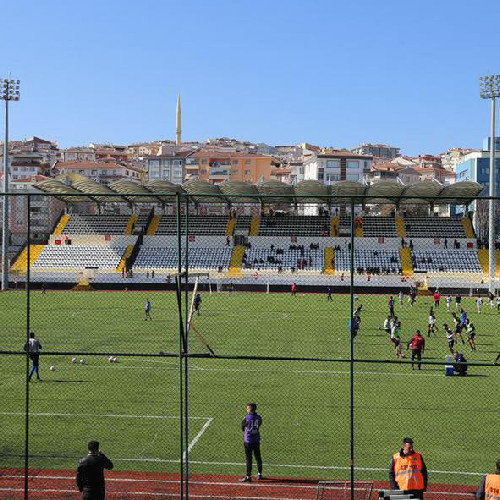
{"type": "Point", "coordinates": [9, 91]}
{"type": "Point", "coordinates": [490, 89]}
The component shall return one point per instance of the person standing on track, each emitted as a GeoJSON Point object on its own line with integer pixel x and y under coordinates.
{"type": "Point", "coordinates": [407, 471]}
{"type": "Point", "coordinates": [490, 485]}
{"type": "Point", "coordinates": [329, 297]}
{"type": "Point", "coordinates": [391, 307]}
{"type": "Point", "coordinates": [90, 473]}
{"type": "Point", "coordinates": [250, 426]}
{"type": "Point", "coordinates": [33, 347]}
{"type": "Point", "coordinates": [417, 343]}
{"type": "Point", "coordinates": [294, 288]}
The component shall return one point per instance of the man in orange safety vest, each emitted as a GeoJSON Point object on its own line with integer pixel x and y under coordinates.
{"type": "Point", "coordinates": [490, 486]}
{"type": "Point", "coordinates": [407, 470]}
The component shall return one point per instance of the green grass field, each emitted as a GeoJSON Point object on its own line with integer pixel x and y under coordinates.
{"type": "Point", "coordinates": [132, 406]}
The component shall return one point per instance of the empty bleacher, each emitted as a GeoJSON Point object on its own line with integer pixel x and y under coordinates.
{"type": "Point", "coordinates": [379, 226]}
{"type": "Point", "coordinates": [301, 225]}
{"type": "Point", "coordinates": [78, 257]}
{"type": "Point", "coordinates": [372, 261]}
{"type": "Point", "coordinates": [243, 223]}
{"type": "Point", "coordinates": [167, 258]}
{"type": "Point", "coordinates": [284, 259]}
{"type": "Point", "coordinates": [453, 261]}
{"type": "Point", "coordinates": [198, 224]}
{"type": "Point", "coordinates": [96, 224]}
{"type": "Point", "coordinates": [434, 227]}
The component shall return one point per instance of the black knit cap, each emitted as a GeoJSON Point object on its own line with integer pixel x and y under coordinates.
{"type": "Point", "coordinates": [407, 440]}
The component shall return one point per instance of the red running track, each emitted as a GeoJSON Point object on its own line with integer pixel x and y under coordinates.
{"type": "Point", "coordinates": [60, 485]}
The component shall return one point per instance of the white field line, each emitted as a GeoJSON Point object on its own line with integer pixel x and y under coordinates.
{"type": "Point", "coordinates": [206, 425]}
{"type": "Point", "coordinates": [160, 417]}
{"type": "Point", "coordinates": [318, 372]}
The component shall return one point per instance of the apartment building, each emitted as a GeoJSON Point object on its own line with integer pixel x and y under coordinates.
{"type": "Point", "coordinates": [335, 166]}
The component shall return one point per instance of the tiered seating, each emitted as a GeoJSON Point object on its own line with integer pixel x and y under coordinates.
{"type": "Point", "coordinates": [455, 261]}
{"type": "Point", "coordinates": [167, 258]}
{"type": "Point", "coordinates": [264, 258]}
{"type": "Point", "coordinates": [301, 225]}
{"type": "Point", "coordinates": [434, 227]}
{"type": "Point", "coordinates": [198, 224]}
{"type": "Point", "coordinates": [379, 226]}
{"type": "Point", "coordinates": [243, 223]}
{"type": "Point", "coordinates": [372, 261]}
{"type": "Point", "coordinates": [73, 256]}
{"type": "Point", "coordinates": [96, 224]}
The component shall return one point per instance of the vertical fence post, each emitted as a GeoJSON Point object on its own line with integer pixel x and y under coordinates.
{"type": "Point", "coordinates": [181, 347]}
{"type": "Point", "coordinates": [351, 363]}
{"type": "Point", "coordinates": [186, 350]}
{"type": "Point", "coordinates": [28, 328]}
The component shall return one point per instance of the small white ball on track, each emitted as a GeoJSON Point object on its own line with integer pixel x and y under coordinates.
{"type": "Point", "coordinates": [82, 361]}
{"type": "Point", "coordinates": [115, 360]}
{"type": "Point", "coordinates": [52, 368]}
{"type": "Point", "coordinates": [74, 360]}
{"type": "Point", "coordinates": [110, 359]}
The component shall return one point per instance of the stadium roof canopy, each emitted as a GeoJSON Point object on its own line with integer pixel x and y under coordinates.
{"type": "Point", "coordinates": [309, 191]}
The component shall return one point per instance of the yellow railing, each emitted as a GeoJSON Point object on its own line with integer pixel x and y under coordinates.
{"type": "Point", "coordinates": [236, 261]}
{"type": "Point", "coordinates": [469, 230]}
{"type": "Point", "coordinates": [329, 261]}
{"type": "Point", "coordinates": [400, 227]}
{"type": "Point", "coordinates": [153, 226]}
{"type": "Point", "coordinates": [130, 225]}
{"type": "Point", "coordinates": [231, 224]}
{"type": "Point", "coordinates": [254, 227]}
{"type": "Point", "coordinates": [21, 264]}
{"type": "Point", "coordinates": [125, 256]}
{"type": "Point", "coordinates": [61, 225]}
{"type": "Point", "coordinates": [335, 226]}
{"type": "Point", "coordinates": [406, 264]}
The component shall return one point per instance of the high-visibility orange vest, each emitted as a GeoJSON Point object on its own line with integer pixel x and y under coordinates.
{"type": "Point", "coordinates": [408, 470]}
{"type": "Point", "coordinates": [492, 487]}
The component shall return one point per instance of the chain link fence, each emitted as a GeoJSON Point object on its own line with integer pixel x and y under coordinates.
{"type": "Point", "coordinates": [159, 322]}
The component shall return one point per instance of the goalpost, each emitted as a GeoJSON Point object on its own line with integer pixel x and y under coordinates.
{"type": "Point", "coordinates": [190, 325]}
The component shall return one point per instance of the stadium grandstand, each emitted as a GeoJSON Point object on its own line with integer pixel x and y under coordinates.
{"type": "Point", "coordinates": [270, 232]}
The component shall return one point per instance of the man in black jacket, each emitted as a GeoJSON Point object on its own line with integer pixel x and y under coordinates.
{"type": "Point", "coordinates": [90, 473]}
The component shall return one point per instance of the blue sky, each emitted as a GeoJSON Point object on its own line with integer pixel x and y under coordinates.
{"type": "Point", "coordinates": [282, 72]}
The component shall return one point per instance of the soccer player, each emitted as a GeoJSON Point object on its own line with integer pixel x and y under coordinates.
{"type": "Point", "coordinates": [450, 337]}
{"type": "Point", "coordinates": [147, 310]}
{"type": "Point", "coordinates": [458, 328]}
{"type": "Point", "coordinates": [294, 288]}
{"type": "Point", "coordinates": [448, 303]}
{"type": "Point", "coordinates": [401, 297]}
{"type": "Point", "coordinates": [436, 298]}
{"type": "Point", "coordinates": [458, 302]}
{"type": "Point", "coordinates": [491, 297]}
{"type": "Point", "coordinates": [479, 303]}
{"type": "Point", "coordinates": [33, 347]}
{"type": "Point", "coordinates": [498, 303]}
{"type": "Point", "coordinates": [250, 426]}
{"type": "Point", "coordinates": [329, 294]}
{"type": "Point", "coordinates": [417, 343]}
{"type": "Point", "coordinates": [197, 303]}
{"type": "Point", "coordinates": [387, 325]}
{"type": "Point", "coordinates": [432, 328]}
{"type": "Point", "coordinates": [391, 306]}
{"type": "Point", "coordinates": [463, 317]}
{"type": "Point", "coordinates": [471, 335]}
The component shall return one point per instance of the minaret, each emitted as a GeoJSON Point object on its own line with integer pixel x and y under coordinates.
{"type": "Point", "coordinates": [178, 130]}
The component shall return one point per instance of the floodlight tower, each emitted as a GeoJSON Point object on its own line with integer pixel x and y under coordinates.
{"type": "Point", "coordinates": [9, 91]}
